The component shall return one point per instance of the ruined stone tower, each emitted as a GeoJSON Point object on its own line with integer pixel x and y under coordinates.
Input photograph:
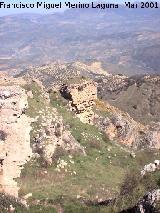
{"type": "Point", "coordinates": [81, 98]}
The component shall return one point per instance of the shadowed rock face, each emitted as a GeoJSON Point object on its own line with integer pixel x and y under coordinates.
{"type": "Point", "coordinates": [149, 201]}
{"type": "Point", "coordinates": [15, 129]}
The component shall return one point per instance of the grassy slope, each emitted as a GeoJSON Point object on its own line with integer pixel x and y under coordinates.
{"type": "Point", "coordinates": [97, 175]}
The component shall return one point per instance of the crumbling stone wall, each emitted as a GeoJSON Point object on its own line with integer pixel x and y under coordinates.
{"type": "Point", "coordinates": [81, 98]}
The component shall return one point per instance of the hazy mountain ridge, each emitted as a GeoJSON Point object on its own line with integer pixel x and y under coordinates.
{"type": "Point", "coordinates": [121, 38]}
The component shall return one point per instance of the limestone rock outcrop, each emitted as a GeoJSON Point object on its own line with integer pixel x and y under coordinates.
{"type": "Point", "coordinates": [148, 202]}
{"type": "Point", "coordinates": [120, 127]}
{"type": "Point", "coordinates": [117, 125]}
{"type": "Point", "coordinates": [81, 98]}
{"type": "Point", "coordinates": [53, 135]}
{"type": "Point", "coordinates": [152, 136]}
{"type": "Point", "coordinates": [15, 128]}
{"type": "Point", "coordinates": [151, 167]}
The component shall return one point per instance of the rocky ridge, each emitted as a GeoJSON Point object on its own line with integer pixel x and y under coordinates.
{"type": "Point", "coordinates": [138, 95]}
{"type": "Point", "coordinates": [119, 126]}
{"type": "Point", "coordinates": [55, 74]}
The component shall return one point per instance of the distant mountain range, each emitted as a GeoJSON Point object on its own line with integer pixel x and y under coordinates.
{"type": "Point", "coordinates": [125, 40]}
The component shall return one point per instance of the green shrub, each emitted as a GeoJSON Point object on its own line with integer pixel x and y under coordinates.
{"type": "Point", "coordinates": [133, 188]}
{"type": "Point", "coordinates": [6, 201]}
{"type": "Point", "coordinates": [95, 144]}
{"type": "Point", "coordinates": [59, 152]}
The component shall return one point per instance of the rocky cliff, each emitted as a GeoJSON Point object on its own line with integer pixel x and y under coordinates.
{"type": "Point", "coordinates": [15, 129]}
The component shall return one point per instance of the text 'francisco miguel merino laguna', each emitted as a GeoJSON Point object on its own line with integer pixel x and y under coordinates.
{"type": "Point", "coordinates": [47, 6]}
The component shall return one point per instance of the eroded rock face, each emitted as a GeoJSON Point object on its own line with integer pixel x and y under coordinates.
{"type": "Point", "coordinates": [52, 135]}
{"type": "Point", "coordinates": [120, 127]}
{"type": "Point", "coordinates": [15, 129]}
{"type": "Point", "coordinates": [153, 135]}
{"type": "Point", "coordinates": [81, 97]}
